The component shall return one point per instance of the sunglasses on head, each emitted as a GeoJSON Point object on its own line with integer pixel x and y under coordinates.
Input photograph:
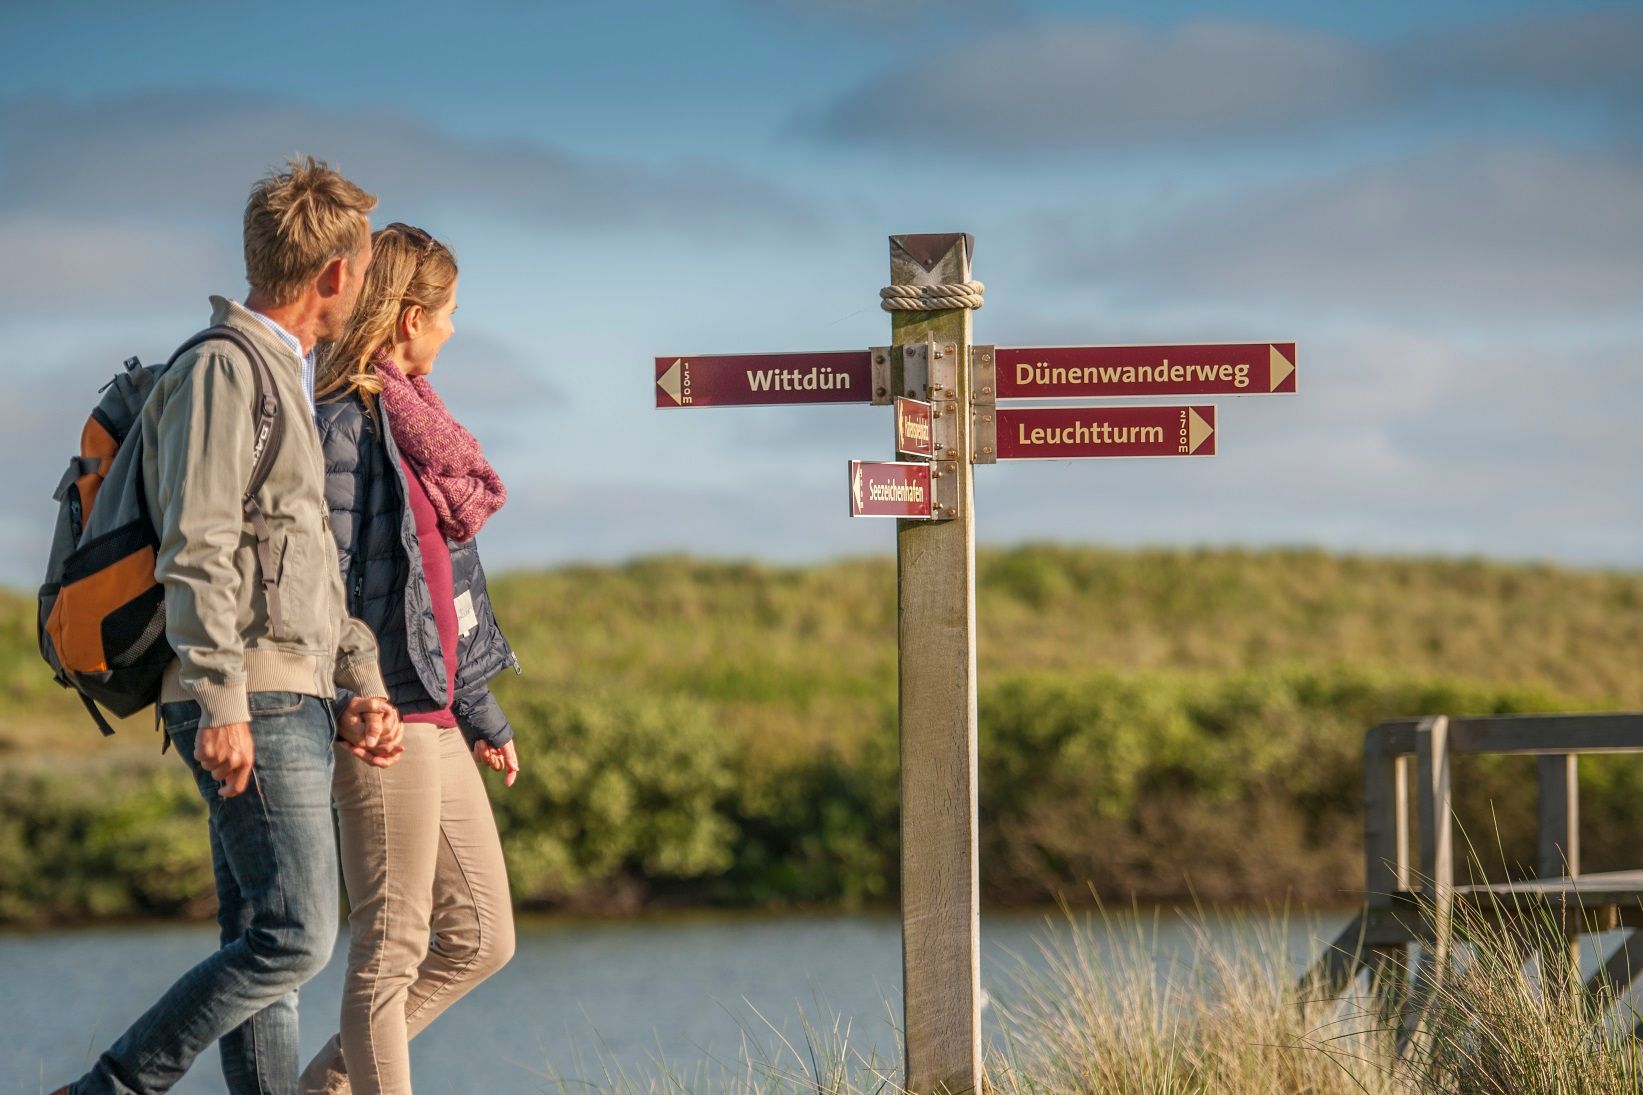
{"type": "Point", "coordinates": [423, 242]}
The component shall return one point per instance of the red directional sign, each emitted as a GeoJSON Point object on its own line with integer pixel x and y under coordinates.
{"type": "Point", "coordinates": [751, 380]}
{"type": "Point", "coordinates": [1059, 433]}
{"type": "Point", "coordinates": [889, 490]}
{"type": "Point", "coordinates": [913, 424]}
{"type": "Point", "coordinates": [1090, 372]}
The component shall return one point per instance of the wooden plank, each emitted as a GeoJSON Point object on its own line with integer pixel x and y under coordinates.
{"type": "Point", "coordinates": [1437, 827]}
{"type": "Point", "coordinates": [935, 560]}
{"type": "Point", "coordinates": [1395, 737]}
{"type": "Point", "coordinates": [1337, 967]}
{"type": "Point", "coordinates": [1388, 977]}
{"type": "Point", "coordinates": [1386, 823]}
{"type": "Point", "coordinates": [1601, 733]}
{"type": "Point", "coordinates": [1559, 816]}
{"type": "Point", "coordinates": [1558, 854]}
{"type": "Point", "coordinates": [1620, 969]}
{"type": "Point", "coordinates": [1608, 887]}
{"type": "Point", "coordinates": [1609, 732]}
{"type": "Point", "coordinates": [1402, 872]}
{"type": "Point", "coordinates": [1432, 788]}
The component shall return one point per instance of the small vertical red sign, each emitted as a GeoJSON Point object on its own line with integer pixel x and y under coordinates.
{"type": "Point", "coordinates": [913, 424]}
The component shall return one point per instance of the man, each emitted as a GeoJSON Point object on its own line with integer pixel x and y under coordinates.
{"type": "Point", "coordinates": [248, 702]}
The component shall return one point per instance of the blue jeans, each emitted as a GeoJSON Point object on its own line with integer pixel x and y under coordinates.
{"type": "Point", "coordinates": [274, 853]}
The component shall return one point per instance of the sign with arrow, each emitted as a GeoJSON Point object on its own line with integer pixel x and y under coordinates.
{"type": "Point", "coordinates": [884, 489]}
{"type": "Point", "coordinates": [751, 380]}
{"type": "Point", "coordinates": [1099, 372]}
{"type": "Point", "coordinates": [1060, 433]}
{"type": "Point", "coordinates": [914, 420]}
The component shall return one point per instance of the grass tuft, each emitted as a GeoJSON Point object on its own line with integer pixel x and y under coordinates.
{"type": "Point", "coordinates": [1107, 1008]}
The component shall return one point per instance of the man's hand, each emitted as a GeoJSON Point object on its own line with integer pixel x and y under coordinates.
{"type": "Point", "coordinates": [227, 753]}
{"type": "Point", "coordinates": [505, 759]}
{"type": "Point", "coordinates": [371, 729]}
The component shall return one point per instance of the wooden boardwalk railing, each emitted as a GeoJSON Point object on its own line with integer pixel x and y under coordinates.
{"type": "Point", "coordinates": [1408, 902]}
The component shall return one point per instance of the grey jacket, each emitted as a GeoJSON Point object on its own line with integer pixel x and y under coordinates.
{"type": "Point", "coordinates": [381, 564]}
{"type": "Point", "coordinates": [197, 426]}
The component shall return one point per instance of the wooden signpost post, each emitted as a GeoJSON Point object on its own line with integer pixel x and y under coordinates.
{"type": "Point", "coordinates": [946, 392]}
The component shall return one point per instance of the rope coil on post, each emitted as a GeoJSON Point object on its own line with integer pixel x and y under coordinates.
{"type": "Point", "coordinates": [931, 298]}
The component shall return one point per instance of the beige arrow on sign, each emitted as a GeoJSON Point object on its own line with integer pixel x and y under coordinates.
{"type": "Point", "coordinates": [669, 381]}
{"type": "Point", "coordinates": [1198, 431]}
{"type": "Point", "coordinates": [1280, 367]}
{"type": "Point", "coordinates": [855, 487]}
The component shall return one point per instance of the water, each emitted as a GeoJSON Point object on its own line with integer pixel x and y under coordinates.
{"type": "Point", "coordinates": [577, 995]}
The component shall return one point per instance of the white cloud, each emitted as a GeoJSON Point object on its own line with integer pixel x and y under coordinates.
{"type": "Point", "coordinates": [1513, 235]}
{"type": "Point", "coordinates": [1067, 84]}
{"type": "Point", "coordinates": [53, 264]}
{"type": "Point", "coordinates": [194, 156]}
{"type": "Point", "coordinates": [113, 204]}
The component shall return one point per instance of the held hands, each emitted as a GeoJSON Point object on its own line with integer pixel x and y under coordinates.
{"type": "Point", "coordinates": [227, 753]}
{"type": "Point", "coordinates": [505, 759]}
{"type": "Point", "coordinates": [370, 728]}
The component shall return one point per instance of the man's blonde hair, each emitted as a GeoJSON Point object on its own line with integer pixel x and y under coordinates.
{"type": "Point", "coordinates": [299, 220]}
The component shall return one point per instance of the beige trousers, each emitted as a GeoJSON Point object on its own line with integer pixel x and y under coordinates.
{"type": "Point", "coordinates": [430, 913]}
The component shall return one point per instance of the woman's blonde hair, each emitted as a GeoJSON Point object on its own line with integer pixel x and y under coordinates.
{"type": "Point", "coordinates": [408, 267]}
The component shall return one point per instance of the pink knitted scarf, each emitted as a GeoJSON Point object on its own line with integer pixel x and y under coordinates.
{"type": "Point", "coordinates": [463, 487]}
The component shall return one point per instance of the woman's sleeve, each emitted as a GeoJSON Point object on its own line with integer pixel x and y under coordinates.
{"type": "Point", "coordinates": [481, 718]}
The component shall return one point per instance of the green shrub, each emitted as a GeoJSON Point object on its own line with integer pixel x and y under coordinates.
{"type": "Point", "coordinates": [1153, 723]}
{"type": "Point", "coordinates": [109, 840]}
{"type": "Point", "coordinates": [614, 787]}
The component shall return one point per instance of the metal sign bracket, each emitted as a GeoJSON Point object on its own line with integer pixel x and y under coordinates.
{"type": "Point", "coordinates": [983, 404]}
{"type": "Point", "coordinates": [910, 371]}
{"type": "Point", "coordinates": [983, 375]}
{"type": "Point", "coordinates": [883, 389]}
{"type": "Point", "coordinates": [945, 359]}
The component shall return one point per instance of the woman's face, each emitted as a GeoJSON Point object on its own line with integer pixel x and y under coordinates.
{"type": "Point", "coordinates": [424, 334]}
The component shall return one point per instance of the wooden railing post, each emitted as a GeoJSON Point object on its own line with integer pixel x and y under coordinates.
{"type": "Point", "coordinates": [1386, 853]}
{"type": "Point", "coordinates": [1437, 869]}
{"type": "Point", "coordinates": [1437, 829]}
{"type": "Point", "coordinates": [1559, 854]}
{"type": "Point", "coordinates": [1559, 815]}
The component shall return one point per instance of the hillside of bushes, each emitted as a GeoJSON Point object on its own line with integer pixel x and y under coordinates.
{"type": "Point", "coordinates": [1154, 724]}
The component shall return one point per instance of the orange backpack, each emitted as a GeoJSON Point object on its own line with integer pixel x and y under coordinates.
{"type": "Point", "coordinates": [102, 612]}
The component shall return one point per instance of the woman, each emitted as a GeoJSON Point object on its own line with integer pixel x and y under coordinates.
{"type": "Point", "coordinates": [407, 489]}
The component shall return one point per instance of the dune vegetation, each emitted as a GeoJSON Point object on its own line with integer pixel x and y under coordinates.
{"type": "Point", "coordinates": [1153, 724]}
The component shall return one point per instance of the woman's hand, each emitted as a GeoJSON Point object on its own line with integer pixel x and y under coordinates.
{"type": "Point", "coordinates": [505, 759]}
{"type": "Point", "coordinates": [371, 729]}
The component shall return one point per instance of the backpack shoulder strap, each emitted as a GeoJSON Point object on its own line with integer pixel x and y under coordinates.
{"type": "Point", "coordinates": [268, 435]}
{"type": "Point", "coordinates": [102, 723]}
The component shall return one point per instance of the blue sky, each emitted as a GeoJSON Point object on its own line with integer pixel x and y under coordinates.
{"type": "Point", "coordinates": [1442, 203]}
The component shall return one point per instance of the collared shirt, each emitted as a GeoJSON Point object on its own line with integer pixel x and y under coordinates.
{"type": "Point", "coordinates": [296, 347]}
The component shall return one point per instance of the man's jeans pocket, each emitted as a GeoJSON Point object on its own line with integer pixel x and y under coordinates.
{"type": "Point", "coordinates": [274, 703]}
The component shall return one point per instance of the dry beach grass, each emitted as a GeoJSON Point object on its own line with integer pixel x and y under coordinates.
{"type": "Point", "coordinates": [1105, 1011]}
